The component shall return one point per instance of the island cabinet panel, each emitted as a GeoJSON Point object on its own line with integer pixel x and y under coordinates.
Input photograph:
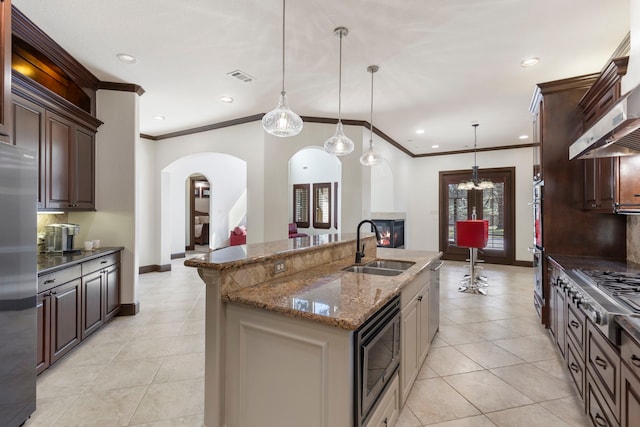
{"type": "Point", "coordinates": [283, 371]}
{"type": "Point", "coordinates": [43, 358]}
{"type": "Point", "coordinates": [93, 302]}
{"type": "Point", "coordinates": [5, 71]}
{"type": "Point", "coordinates": [388, 410]}
{"type": "Point", "coordinates": [414, 331]}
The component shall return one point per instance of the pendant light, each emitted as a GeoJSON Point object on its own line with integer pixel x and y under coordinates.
{"type": "Point", "coordinates": [339, 144]}
{"type": "Point", "coordinates": [370, 157]}
{"type": "Point", "coordinates": [282, 121]}
{"type": "Point", "coordinates": [475, 183]}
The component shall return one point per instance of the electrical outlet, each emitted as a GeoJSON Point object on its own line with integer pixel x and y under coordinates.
{"type": "Point", "coordinates": [279, 267]}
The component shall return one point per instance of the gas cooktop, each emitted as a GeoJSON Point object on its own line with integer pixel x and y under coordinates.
{"type": "Point", "coordinates": [623, 287]}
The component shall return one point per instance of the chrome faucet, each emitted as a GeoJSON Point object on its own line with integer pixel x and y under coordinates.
{"type": "Point", "coordinates": [360, 253]}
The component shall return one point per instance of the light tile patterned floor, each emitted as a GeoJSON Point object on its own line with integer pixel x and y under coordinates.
{"type": "Point", "coordinates": [491, 364]}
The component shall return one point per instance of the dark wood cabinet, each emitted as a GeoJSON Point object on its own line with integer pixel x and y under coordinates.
{"type": "Point", "coordinates": [628, 184]}
{"type": "Point", "coordinates": [101, 292]}
{"type": "Point", "coordinates": [599, 184]}
{"type": "Point", "coordinates": [66, 303]}
{"type": "Point", "coordinates": [603, 365]}
{"type": "Point", "coordinates": [73, 303]}
{"type": "Point", "coordinates": [5, 72]}
{"type": "Point", "coordinates": [69, 150]}
{"type": "Point", "coordinates": [28, 132]}
{"type": "Point", "coordinates": [630, 384]}
{"type": "Point", "coordinates": [43, 358]}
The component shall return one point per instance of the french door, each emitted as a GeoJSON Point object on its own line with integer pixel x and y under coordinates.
{"type": "Point", "coordinates": [494, 204]}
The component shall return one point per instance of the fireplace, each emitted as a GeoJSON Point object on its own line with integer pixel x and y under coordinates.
{"type": "Point", "coordinates": [391, 232]}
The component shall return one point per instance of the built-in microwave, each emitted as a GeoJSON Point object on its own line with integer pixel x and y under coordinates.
{"type": "Point", "coordinates": [377, 358]}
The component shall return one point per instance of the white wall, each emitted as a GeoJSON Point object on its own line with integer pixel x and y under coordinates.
{"type": "Point", "coordinates": [227, 176]}
{"type": "Point", "coordinates": [423, 211]}
{"type": "Point", "coordinates": [117, 198]}
{"type": "Point", "coordinates": [314, 165]}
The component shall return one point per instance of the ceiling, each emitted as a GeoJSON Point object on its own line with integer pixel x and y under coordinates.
{"type": "Point", "coordinates": [443, 63]}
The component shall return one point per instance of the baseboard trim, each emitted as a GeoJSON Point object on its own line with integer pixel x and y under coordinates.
{"type": "Point", "coordinates": [129, 309]}
{"type": "Point", "coordinates": [152, 268]}
{"type": "Point", "coordinates": [179, 255]}
{"type": "Point", "coordinates": [523, 263]}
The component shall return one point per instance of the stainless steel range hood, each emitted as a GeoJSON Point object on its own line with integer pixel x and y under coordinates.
{"type": "Point", "coordinates": [617, 133]}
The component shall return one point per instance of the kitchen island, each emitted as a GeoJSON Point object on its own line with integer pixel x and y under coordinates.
{"type": "Point", "coordinates": [280, 324]}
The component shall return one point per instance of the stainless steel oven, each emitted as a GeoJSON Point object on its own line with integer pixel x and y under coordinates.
{"type": "Point", "coordinates": [377, 358]}
{"type": "Point", "coordinates": [538, 249]}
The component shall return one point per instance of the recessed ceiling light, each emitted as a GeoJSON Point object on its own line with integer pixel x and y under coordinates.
{"type": "Point", "coordinates": [435, 146]}
{"type": "Point", "coordinates": [529, 62]}
{"type": "Point", "coordinates": [159, 117]}
{"type": "Point", "coordinates": [419, 131]}
{"type": "Point", "coordinates": [226, 99]}
{"type": "Point", "coordinates": [126, 58]}
{"type": "Point", "coordinates": [523, 137]}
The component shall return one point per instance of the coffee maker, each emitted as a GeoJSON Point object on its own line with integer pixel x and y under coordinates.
{"type": "Point", "coordinates": [59, 237]}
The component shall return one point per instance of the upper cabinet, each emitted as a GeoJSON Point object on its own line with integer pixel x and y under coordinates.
{"type": "Point", "coordinates": [5, 71]}
{"type": "Point", "coordinates": [53, 113]}
{"type": "Point", "coordinates": [611, 184]}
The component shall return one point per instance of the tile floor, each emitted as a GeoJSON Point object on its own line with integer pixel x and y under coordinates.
{"type": "Point", "coordinates": [491, 364]}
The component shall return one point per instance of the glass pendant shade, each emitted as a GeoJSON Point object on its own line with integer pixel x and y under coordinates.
{"type": "Point", "coordinates": [339, 144]}
{"type": "Point", "coordinates": [370, 157]}
{"type": "Point", "coordinates": [282, 121]}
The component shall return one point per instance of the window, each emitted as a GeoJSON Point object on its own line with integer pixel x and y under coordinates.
{"type": "Point", "coordinates": [322, 205]}
{"type": "Point", "coordinates": [301, 205]}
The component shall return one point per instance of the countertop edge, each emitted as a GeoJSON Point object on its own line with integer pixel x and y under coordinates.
{"type": "Point", "coordinates": [83, 256]}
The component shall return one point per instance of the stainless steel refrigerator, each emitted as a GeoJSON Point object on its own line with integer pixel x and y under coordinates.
{"type": "Point", "coordinates": [18, 284]}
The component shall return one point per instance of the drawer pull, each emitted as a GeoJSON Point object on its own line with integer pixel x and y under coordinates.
{"type": "Point", "coordinates": [574, 368]}
{"type": "Point", "coordinates": [420, 298]}
{"type": "Point", "coordinates": [48, 282]}
{"type": "Point", "coordinates": [574, 324]}
{"type": "Point", "coordinates": [386, 421]}
{"type": "Point", "coordinates": [601, 362]}
{"type": "Point", "coordinates": [104, 261]}
{"type": "Point", "coordinates": [601, 421]}
{"type": "Point", "coordinates": [635, 360]}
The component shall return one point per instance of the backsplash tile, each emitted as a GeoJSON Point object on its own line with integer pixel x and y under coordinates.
{"type": "Point", "coordinates": [633, 238]}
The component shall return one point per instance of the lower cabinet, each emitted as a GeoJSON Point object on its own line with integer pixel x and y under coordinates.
{"type": "Point", "coordinates": [72, 305]}
{"type": "Point", "coordinates": [58, 322]}
{"type": "Point", "coordinates": [388, 410]}
{"type": "Point", "coordinates": [414, 331]}
{"type": "Point", "coordinates": [630, 384]}
{"type": "Point", "coordinates": [101, 292]}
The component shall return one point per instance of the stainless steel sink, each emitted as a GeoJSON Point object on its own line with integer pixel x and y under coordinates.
{"type": "Point", "coordinates": [373, 270]}
{"type": "Point", "coordinates": [390, 264]}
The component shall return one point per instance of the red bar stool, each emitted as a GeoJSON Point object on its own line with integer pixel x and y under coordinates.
{"type": "Point", "coordinates": [473, 234]}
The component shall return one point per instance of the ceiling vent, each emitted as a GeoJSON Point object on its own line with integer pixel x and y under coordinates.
{"type": "Point", "coordinates": [241, 75]}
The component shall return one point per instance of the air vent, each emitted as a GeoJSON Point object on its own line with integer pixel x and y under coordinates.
{"type": "Point", "coordinates": [241, 75]}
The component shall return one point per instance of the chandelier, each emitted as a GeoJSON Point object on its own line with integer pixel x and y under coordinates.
{"type": "Point", "coordinates": [475, 183]}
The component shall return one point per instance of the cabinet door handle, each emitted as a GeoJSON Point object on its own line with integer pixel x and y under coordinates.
{"type": "Point", "coordinates": [48, 282]}
{"type": "Point", "coordinates": [574, 368]}
{"type": "Point", "coordinates": [636, 195]}
{"type": "Point", "coordinates": [601, 362]}
{"type": "Point", "coordinates": [54, 293]}
{"type": "Point", "coordinates": [601, 421]}
{"type": "Point", "coordinates": [420, 298]}
{"type": "Point", "coordinates": [104, 261]}
{"type": "Point", "coordinates": [386, 421]}
{"type": "Point", "coordinates": [635, 360]}
{"type": "Point", "coordinates": [574, 324]}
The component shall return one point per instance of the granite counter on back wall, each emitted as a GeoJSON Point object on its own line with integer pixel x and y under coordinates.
{"type": "Point", "coordinates": [50, 262]}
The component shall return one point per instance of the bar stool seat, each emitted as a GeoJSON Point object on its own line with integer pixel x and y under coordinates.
{"type": "Point", "coordinates": [473, 234]}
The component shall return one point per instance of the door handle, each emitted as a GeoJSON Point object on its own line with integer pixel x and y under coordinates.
{"type": "Point", "coordinates": [601, 363]}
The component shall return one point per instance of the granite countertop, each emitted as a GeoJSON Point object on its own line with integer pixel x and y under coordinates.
{"type": "Point", "coordinates": [574, 262]}
{"type": "Point", "coordinates": [329, 295]}
{"type": "Point", "coordinates": [50, 262]}
{"type": "Point", "coordinates": [234, 256]}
